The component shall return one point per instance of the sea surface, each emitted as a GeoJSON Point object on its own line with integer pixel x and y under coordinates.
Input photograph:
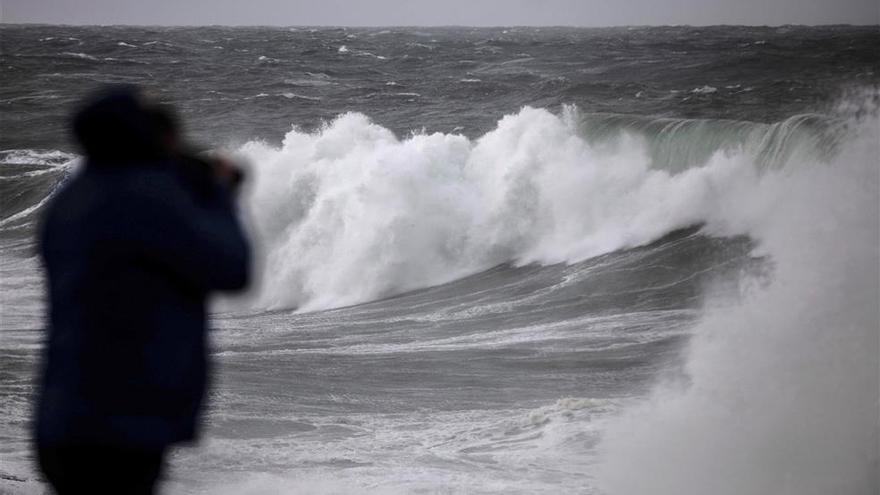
{"type": "Point", "coordinates": [501, 260]}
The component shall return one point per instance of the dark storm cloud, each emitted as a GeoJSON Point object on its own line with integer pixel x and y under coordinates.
{"type": "Point", "coordinates": [442, 12]}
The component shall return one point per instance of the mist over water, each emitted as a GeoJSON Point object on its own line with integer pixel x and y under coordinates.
{"type": "Point", "coordinates": [780, 393]}
{"type": "Point", "coordinates": [614, 262]}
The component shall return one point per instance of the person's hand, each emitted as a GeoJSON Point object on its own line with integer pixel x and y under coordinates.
{"type": "Point", "coordinates": [226, 172]}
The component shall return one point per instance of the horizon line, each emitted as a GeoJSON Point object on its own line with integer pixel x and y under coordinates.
{"type": "Point", "coordinates": [399, 26]}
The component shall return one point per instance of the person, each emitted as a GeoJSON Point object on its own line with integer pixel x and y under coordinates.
{"type": "Point", "coordinates": [132, 244]}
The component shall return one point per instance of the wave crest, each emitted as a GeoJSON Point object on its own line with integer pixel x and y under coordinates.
{"type": "Point", "coordinates": [352, 213]}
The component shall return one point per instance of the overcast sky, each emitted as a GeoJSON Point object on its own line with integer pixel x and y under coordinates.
{"type": "Point", "coordinates": [440, 12]}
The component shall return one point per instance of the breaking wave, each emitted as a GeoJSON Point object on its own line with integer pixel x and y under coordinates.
{"type": "Point", "coordinates": [780, 391]}
{"type": "Point", "coordinates": [352, 213]}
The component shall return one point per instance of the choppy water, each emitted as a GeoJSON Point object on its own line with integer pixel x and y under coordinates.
{"type": "Point", "coordinates": [630, 260]}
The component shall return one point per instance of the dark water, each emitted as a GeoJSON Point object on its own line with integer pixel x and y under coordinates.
{"type": "Point", "coordinates": [482, 250]}
{"type": "Point", "coordinates": [236, 84]}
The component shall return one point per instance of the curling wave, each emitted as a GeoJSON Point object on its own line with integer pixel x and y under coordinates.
{"type": "Point", "coordinates": [352, 213]}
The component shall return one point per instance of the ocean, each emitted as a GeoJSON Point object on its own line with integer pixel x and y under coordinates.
{"type": "Point", "coordinates": [612, 261]}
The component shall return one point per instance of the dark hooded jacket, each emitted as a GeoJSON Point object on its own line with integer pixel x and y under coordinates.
{"type": "Point", "coordinates": [132, 245]}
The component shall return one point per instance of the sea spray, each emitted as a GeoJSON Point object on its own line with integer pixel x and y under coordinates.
{"type": "Point", "coordinates": [781, 390]}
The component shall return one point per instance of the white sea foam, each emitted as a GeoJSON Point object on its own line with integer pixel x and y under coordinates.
{"type": "Point", "coordinates": [473, 451]}
{"type": "Point", "coordinates": [36, 157]}
{"type": "Point", "coordinates": [780, 393]}
{"type": "Point", "coordinates": [83, 56]}
{"type": "Point", "coordinates": [289, 96]}
{"type": "Point", "coordinates": [23, 213]}
{"type": "Point", "coordinates": [351, 212]}
{"type": "Point", "coordinates": [704, 90]}
{"type": "Point", "coordinates": [315, 81]}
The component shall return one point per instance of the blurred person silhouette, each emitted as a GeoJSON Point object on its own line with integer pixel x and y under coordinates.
{"type": "Point", "coordinates": [132, 244]}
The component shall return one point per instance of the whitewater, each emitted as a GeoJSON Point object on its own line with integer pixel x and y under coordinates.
{"type": "Point", "coordinates": [561, 290]}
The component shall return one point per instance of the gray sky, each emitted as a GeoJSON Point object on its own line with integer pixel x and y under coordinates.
{"type": "Point", "coordinates": [441, 12]}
